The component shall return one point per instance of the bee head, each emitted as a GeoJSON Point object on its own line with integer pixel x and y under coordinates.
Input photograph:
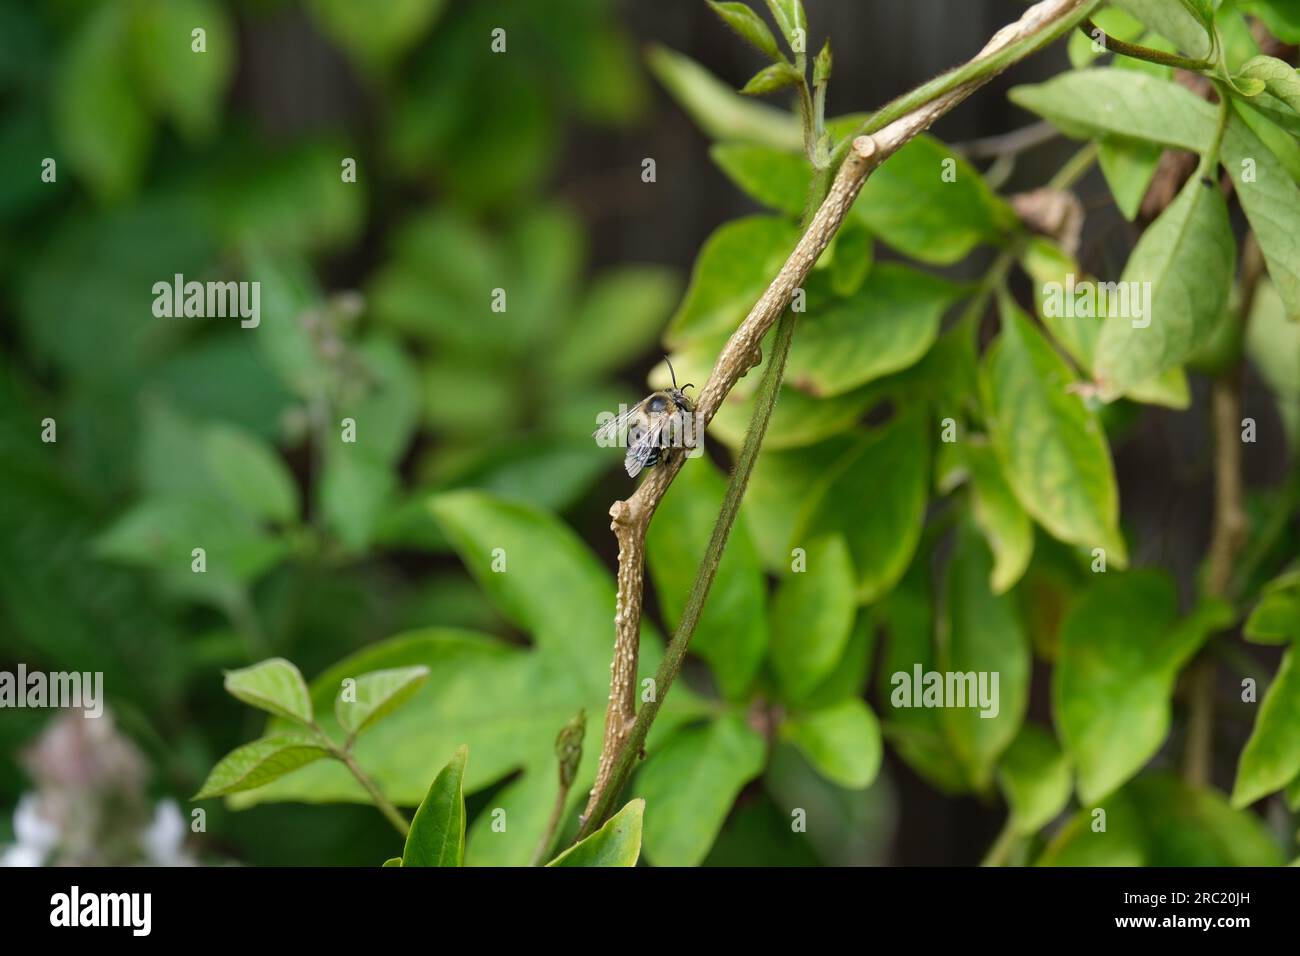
{"type": "Point", "coordinates": [678, 394]}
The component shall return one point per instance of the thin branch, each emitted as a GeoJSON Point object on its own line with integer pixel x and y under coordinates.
{"type": "Point", "coordinates": [1009, 144]}
{"type": "Point", "coordinates": [1137, 52]}
{"type": "Point", "coordinates": [390, 812]}
{"type": "Point", "coordinates": [1228, 535]}
{"type": "Point", "coordinates": [883, 135]}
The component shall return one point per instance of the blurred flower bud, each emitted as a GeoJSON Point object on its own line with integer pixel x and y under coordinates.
{"type": "Point", "coordinates": [568, 747]}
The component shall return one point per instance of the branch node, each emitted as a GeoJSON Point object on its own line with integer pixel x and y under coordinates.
{"type": "Point", "coordinates": [621, 512]}
{"type": "Point", "coordinates": [865, 146]}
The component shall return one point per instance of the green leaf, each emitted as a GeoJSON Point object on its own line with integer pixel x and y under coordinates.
{"type": "Point", "coordinates": [260, 762]}
{"type": "Point", "coordinates": [812, 617]}
{"type": "Point", "coordinates": [1110, 102]}
{"type": "Point", "coordinates": [101, 123]}
{"type": "Point", "coordinates": [354, 491]}
{"type": "Point", "coordinates": [778, 76]}
{"type": "Point", "coordinates": [841, 741]}
{"type": "Point", "coordinates": [1276, 128]}
{"type": "Point", "coordinates": [732, 633]}
{"type": "Point", "coordinates": [717, 109]}
{"type": "Point", "coordinates": [875, 496]}
{"type": "Point", "coordinates": [734, 266]}
{"type": "Point", "coordinates": [916, 733]}
{"type": "Point", "coordinates": [273, 685]}
{"type": "Point", "coordinates": [1000, 517]}
{"type": "Point", "coordinates": [376, 36]}
{"type": "Point", "coordinates": [798, 419]}
{"type": "Point", "coordinates": [851, 672]}
{"type": "Point", "coordinates": [161, 533]}
{"type": "Point", "coordinates": [288, 200]}
{"type": "Point", "coordinates": [1176, 21]}
{"type": "Point", "coordinates": [1050, 268]}
{"type": "Point", "coordinates": [779, 479]}
{"type": "Point", "coordinates": [914, 205]}
{"type": "Point", "coordinates": [1188, 256]}
{"type": "Point", "coordinates": [617, 843]}
{"type": "Point", "coordinates": [1272, 206]}
{"type": "Point", "coordinates": [1035, 778]}
{"type": "Point", "coordinates": [887, 326]}
{"type": "Point", "coordinates": [251, 473]}
{"type": "Point", "coordinates": [393, 861]}
{"type": "Point", "coordinates": [1121, 646]}
{"type": "Point", "coordinates": [1058, 279]}
{"type": "Point", "coordinates": [1273, 345]}
{"type": "Point", "coordinates": [981, 641]}
{"type": "Point", "coordinates": [791, 20]}
{"type": "Point", "coordinates": [854, 254]}
{"type": "Point", "coordinates": [1051, 445]}
{"type": "Point", "coordinates": [1160, 821]}
{"type": "Point", "coordinates": [437, 834]}
{"type": "Point", "coordinates": [749, 26]}
{"type": "Point", "coordinates": [376, 695]}
{"type": "Point", "coordinates": [1281, 16]}
{"type": "Point", "coordinates": [1271, 758]}
{"type": "Point", "coordinates": [690, 785]}
{"type": "Point", "coordinates": [773, 177]}
{"type": "Point", "coordinates": [1279, 78]}
{"type": "Point", "coordinates": [641, 296]}
{"type": "Point", "coordinates": [186, 85]}
{"type": "Point", "coordinates": [1129, 165]}
{"type": "Point", "coordinates": [823, 65]}
{"type": "Point", "coordinates": [1276, 618]}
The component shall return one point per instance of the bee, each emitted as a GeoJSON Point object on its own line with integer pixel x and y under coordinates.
{"type": "Point", "coordinates": [662, 420]}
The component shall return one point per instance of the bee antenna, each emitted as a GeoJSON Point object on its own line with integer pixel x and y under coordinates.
{"type": "Point", "coordinates": [688, 385]}
{"type": "Point", "coordinates": [671, 371]}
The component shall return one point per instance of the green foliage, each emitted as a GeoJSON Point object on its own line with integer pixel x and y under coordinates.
{"type": "Point", "coordinates": [617, 843]}
{"type": "Point", "coordinates": [437, 836]}
{"type": "Point", "coordinates": [1160, 821]}
{"type": "Point", "coordinates": [260, 762]}
{"type": "Point", "coordinates": [691, 783]}
{"type": "Point", "coordinates": [734, 631]}
{"type": "Point", "coordinates": [841, 741]}
{"type": "Point", "coordinates": [376, 695]}
{"type": "Point", "coordinates": [1271, 757]}
{"type": "Point", "coordinates": [1122, 645]}
{"type": "Point", "coordinates": [1035, 776]}
{"type": "Point", "coordinates": [875, 496]}
{"type": "Point", "coordinates": [1188, 257]}
{"type": "Point", "coordinates": [812, 617]}
{"type": "Point", "coordinates": [1049, 441]}
{"type": "Point", "coordinates": [275, 686]}
{"type": "Point", "coordinates": [981, 634]}
{"type": "Point", "coordinates": [931, 205]}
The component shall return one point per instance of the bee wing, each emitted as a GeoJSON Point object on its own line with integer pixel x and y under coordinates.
{"type": "Point", "coordinates": [609, 432]}
{"type": "Point", "coordinates": [642, 450]}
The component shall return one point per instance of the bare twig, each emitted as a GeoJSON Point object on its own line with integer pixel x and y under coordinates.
{"type": "Point", "coordinates": [882, 136]}
{"type": "Point", "coordinates": [1009, 144]}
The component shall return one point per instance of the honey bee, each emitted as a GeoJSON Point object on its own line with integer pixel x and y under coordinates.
{"type": "Point", "coordinates": [662, 420]}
